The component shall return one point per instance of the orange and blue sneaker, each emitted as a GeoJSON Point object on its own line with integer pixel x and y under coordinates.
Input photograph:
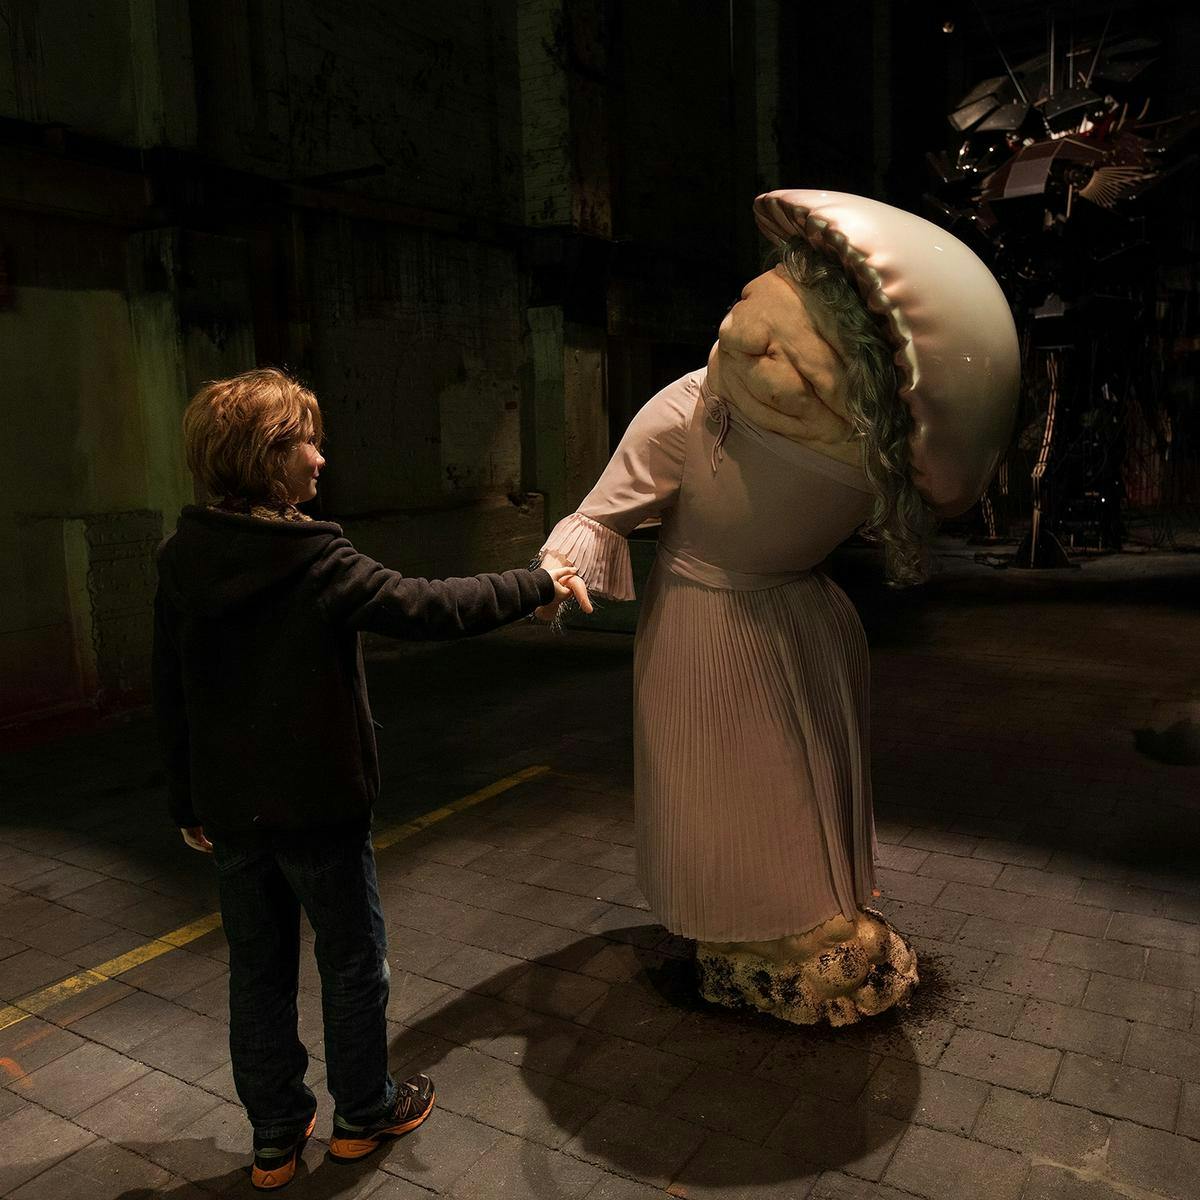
{"type": "Point", "coordinates": [414, 1102]}
{"type": "Point", "coordinates": [275, 1166]}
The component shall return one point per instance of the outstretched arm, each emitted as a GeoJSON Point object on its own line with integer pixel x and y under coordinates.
{"type": "Point", "coordinates": [641, 480]}
{"type": "Point", "coordinates": [357, 592]}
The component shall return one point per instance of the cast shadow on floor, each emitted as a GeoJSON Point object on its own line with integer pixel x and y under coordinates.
{"type": "Point", "coordinates": [648, 1082]}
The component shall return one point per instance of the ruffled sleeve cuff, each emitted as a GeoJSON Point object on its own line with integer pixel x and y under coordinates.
{"type": "Point", "coordinates": [600, 555]}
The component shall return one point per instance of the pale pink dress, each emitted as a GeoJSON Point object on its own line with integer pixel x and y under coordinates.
{"type": "Point", "coordinates": [751, 774]}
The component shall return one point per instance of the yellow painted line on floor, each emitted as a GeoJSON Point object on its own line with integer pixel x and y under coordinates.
{"type": "Point", "coordinates": [37, 1002]}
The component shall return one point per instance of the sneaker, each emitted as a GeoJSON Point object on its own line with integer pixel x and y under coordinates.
{"type": "Point", "coordinates": [274, 1166]}
{"type": "Point", "coordinates": [413, 1104]}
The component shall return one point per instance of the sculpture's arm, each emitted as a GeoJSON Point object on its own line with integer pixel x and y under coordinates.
{"type": "Point", "coordinates": [640, 481]}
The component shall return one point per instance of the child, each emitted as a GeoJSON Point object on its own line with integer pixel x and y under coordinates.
{"type": "Point", "coordinates": [265, 725]}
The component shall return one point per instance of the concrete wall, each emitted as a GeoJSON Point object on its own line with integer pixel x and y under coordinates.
{"type": "Point", "coordinates": [484, 233]}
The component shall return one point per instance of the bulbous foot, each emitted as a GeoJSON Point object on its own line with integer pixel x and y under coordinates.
{"type": "Point", "coordinates": [839, 972]}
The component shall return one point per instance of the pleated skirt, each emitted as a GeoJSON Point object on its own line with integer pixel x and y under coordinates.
{"type": "Point", "coordinates": [752, 775]}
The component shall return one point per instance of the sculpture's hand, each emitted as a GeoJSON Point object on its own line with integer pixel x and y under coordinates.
{"type": "Point", "coordinates": [566, 585]}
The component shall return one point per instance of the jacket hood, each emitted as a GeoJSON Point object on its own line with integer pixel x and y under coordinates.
{"type": "Point", "coordinates": [215, 561]}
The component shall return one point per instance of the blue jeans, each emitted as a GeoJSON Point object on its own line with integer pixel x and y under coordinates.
{"type": "Point", "coordinates": [265, 878]}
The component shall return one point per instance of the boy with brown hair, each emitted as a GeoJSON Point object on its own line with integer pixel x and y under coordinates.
{"type": "Point", "coordinates": [265, 725]}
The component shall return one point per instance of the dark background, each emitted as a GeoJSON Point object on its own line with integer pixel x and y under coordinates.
{"type": "Point", "coordinates": [485, 233]}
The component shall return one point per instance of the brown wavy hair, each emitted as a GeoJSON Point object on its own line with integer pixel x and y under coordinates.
{"type": "Point", "coordinates": [901, 520]}
{"type": "Point", "coordinates": [238, 433]}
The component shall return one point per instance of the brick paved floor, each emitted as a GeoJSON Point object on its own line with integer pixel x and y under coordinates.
{"type": "Point", "coordinates": [1045, 867]}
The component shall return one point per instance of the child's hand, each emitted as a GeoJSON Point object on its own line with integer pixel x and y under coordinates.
{"type": "Point", "coordinates": [566, 584]}
{"type": "Point", "coordinates": [194, 836]}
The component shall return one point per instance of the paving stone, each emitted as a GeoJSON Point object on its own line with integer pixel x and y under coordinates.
{"type": "Point", "coordinates": [1065, 916]}
{"type": "Point", "coordinates": [1041, 980]}
{"type": "Point", "coordinates": [416, 950]}
{"type": "Point", "coordinates": [727, 1168]}
{"type": "Point", "coordinates": [614, 1187]}
{"type": "Point", "coordinates": [1033, 882]}
{"type": "Point", "coordinates": [477, 970]}
{"type": "Point", "coordinates": [818, 1066]}
{"type": "Point", "coordinates": [901, 885]}
{"type": "Point", "coordinates": [386, 1187]}
{"type": "Point", "coordinates": [952, 960]}
{"type": "Point", "coordinates": [729, 1040]}
{"type": "Point", "coordinates": [979, 901]}
{"type": "Point", "coordinates": [21, 867]}
{"type": "Point", "coordinates": [855, 1138]}
{"type": "Point", "coordinates": [60, 881]}
{"type": "Point", "coordinates": [67, 934]}
{"type": "Point", "coordinates": [943, 1166]}
{"type": "Point", "coordinates": [1158, 932]}
{"type": "Point", "coordinates": [922, 920]}
{"type": "Point", "coordinates": [560, 993]}
{"type": "Point", "coordinates": [34, 1139]}
{"type": "Point", "coordinates": [1001, 1061]}
{"type": "Point", "coordinates": [1189, 1112]}
{"type": "Point", "coordinates": [1057, 1183]}
{"type": "Point", "coordinates": [626, 1011]}
{"type": "Point", "coordinates": [440, 1152]}
{"type": "Point", "coordinates": [80, 1079]}
{"type": "Point", "coordinates": [833, 1185]}
{"type": "Point", "coordinates": [104, 897]}
{"type": "Point", "coordinates": [27, 972]}
{"type": "Point", "coordinates": [1172, 969]}
{"type": "Point", "coordinates": [170, 975]}
{"type": "Point", "coordinates": [151, 1109]}
{"type": "Point", "coordinates": [410, 993]}
{"type": "Point", "coordinates": [456, 850]}
{"type": "Point", "coordinates": [1149, 1002]}
{"type": "Point", "coordinates": [972, 1007]}
{"type": "Point", "coordinates": [941, 841]}
{"type": "Point", "coordinates": [517, 1100]}
{"type": "Point", "coordinates": [188, 1050]}
{"type": "Point", "coordinates": [211, 999]}
{"type": "Point", "coordinates": [1122, 897]}
{"type": "Point", "coordinates": [29, 1044]}
{"type": "Point", "coordinates": [1017, 853]}
{"type": "Point", "coordinates": [1043, 1129]}
{"type": "Point", "coordinates": [1096, 954]}
{"type": "Point", "coordinates": [100, 1171]}
{"type": "Point", "coordinates": [1164, 1163]}
{"type": "Point", "coordinates": [600, 958]}
{"type": "Point", "coordinates": [746, 1106]}
{"type": "Point", "coordinates": [156, 915]}
{"type": "Point", "coordinates": [1005, 937]}
{"type": "Point", "coordinates": [628, 1070]}
{"type": "Point", "coordinates": [516, 1170]}
{"type": "Point", "coordinates": [906, 1035]}
{"type": "Point", "coordinates": [925, 1096]}
{"type": "Point", "coordinates": [1165, 1051]}
{"type": "Point", "coordinates": [10, 1102]}
{"type": "Point", "coordinates": [1119, 1091]}
{"type": "Point", "coordinates": [213, 1151]}
{"type": "Point", "coordinates": [1096, 1034]}
{"type": "Point", "coordinates": [957, 869]}
{"type": "Point", "coordinates": [901, 858]}
{"type": "Point", "coordinates": [616, 1139]}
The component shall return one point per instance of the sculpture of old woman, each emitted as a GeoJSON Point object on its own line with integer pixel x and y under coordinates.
{"type": "Point", "coordinates": [866, 381]}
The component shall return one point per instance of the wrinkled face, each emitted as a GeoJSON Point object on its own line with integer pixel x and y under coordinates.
{"type": "Point", "coordinates": [304, 463]}
{"type": "Point", "coordinates": [773, 362]}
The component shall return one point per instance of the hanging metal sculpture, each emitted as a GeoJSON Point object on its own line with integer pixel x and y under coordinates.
{"type": "Point", "coordinates": [1055, 180]}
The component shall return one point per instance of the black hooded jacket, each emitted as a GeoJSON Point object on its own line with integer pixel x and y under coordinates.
{"type": "Point", "coordinates": [259, 688]}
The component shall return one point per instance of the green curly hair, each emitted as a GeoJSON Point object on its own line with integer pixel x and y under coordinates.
{"type": "Point", "coordinates": [901, 519]}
